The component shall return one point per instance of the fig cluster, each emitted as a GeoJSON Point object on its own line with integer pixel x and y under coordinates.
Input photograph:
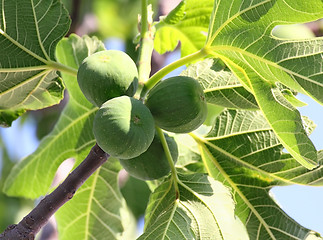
{"type": "Point", "coordinates": [124, 126]}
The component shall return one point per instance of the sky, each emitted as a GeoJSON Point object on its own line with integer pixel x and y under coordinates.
{"type": "Point", "coordinates": [302, 203]}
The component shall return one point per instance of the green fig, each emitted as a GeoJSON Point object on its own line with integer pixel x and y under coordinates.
{"type": "Point", "coordinates": [178, 104]}
{"type": "Point", "coordinates": [124, 127]}
{"type": "Point", "coordinates": [153, 163]}
{"type": "Point", "coordinates": [107, 74]}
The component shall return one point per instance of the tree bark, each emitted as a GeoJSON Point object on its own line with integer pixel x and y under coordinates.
{"type": "Point", "coordinates": [30, 225]}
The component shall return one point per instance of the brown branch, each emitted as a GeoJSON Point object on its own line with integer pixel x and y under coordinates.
{"type": "Point", "coordinates": [75, 12]}
{"type": "Point", "coordinates": [30, 225]}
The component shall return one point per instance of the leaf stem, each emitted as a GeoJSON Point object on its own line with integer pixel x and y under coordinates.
{"type": "Point", "coordinates": [63, 68]}
{"type": "Point", "coordinates": [147, 33]}
{"type": "Point", "coordinates": [171, 67]}
{"type": "Point", "coordinates": [170, 160]}
{"type": "Point", "coordinates": [144, 18]}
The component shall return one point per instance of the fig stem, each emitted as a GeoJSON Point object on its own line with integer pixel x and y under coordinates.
{"type": "Point", "coordinates": [153, 80]}
{"type": "Point", "coordinates": [170, 160]}
{"type": "Point", "coordinates": [63, 68]}
{"type": "Point", "coordinates": [147, 33]}
{"type": "Point", "coordinates": [144, 18]}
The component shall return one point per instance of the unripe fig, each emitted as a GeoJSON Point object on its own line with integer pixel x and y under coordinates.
{"type": "Point", "coordinates": [153, 163]}
{"type": "Point", "coordinates": [178, 104]}
{"type": "Point", "coordinates": [124, 127]}
{"type": "Point", "coordinates": [107, 74]}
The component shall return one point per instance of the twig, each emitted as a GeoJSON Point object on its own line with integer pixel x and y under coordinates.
{"type": "Point", "coordinates": [30, 225]}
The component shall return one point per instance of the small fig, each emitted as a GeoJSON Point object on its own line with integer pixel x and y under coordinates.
{"type": "Point", "coordinates": [107, 74]}
{"type": "Point", "coordinates": [124, 127]}
{"type": "Point", "coordinates": [153, 163]}
{"type": "Point", "coordinates": [178, 104]}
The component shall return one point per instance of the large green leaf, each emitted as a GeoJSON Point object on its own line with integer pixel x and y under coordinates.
{"type": "Point", "coordinates": [286, 122]}
{"type": "Point", "coordinates": [221, 87]}
{"type": "Point", "coordinates": [188, 24]}
{"type": "Point", "coordinates": [204, 209]}
{"type": "Point", "coordinates": [72, 136]}
{"type": "Point", "coordinates": [29, 33]}
{"type": "Point", "coordinates": [243, 152]}
{"type": "Point", "coordinates": [240, 34]}
{"type": "Point", "coordinates": [97, 210]}
{"type": "Point", "coordinates": [263, 217]}
{"type": "Point", "coordinates": [291, 171]}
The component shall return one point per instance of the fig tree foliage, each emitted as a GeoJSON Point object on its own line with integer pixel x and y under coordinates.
{"type": "Point", "coordinates": [240, 77]}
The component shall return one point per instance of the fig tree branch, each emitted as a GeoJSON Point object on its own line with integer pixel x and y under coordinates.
{"type": "Point", "coordinates": [76, 5]}
{"type": "Point", "coordinates": [147, 33]}
{"type": "Point", "coordinates": [30, 225]}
